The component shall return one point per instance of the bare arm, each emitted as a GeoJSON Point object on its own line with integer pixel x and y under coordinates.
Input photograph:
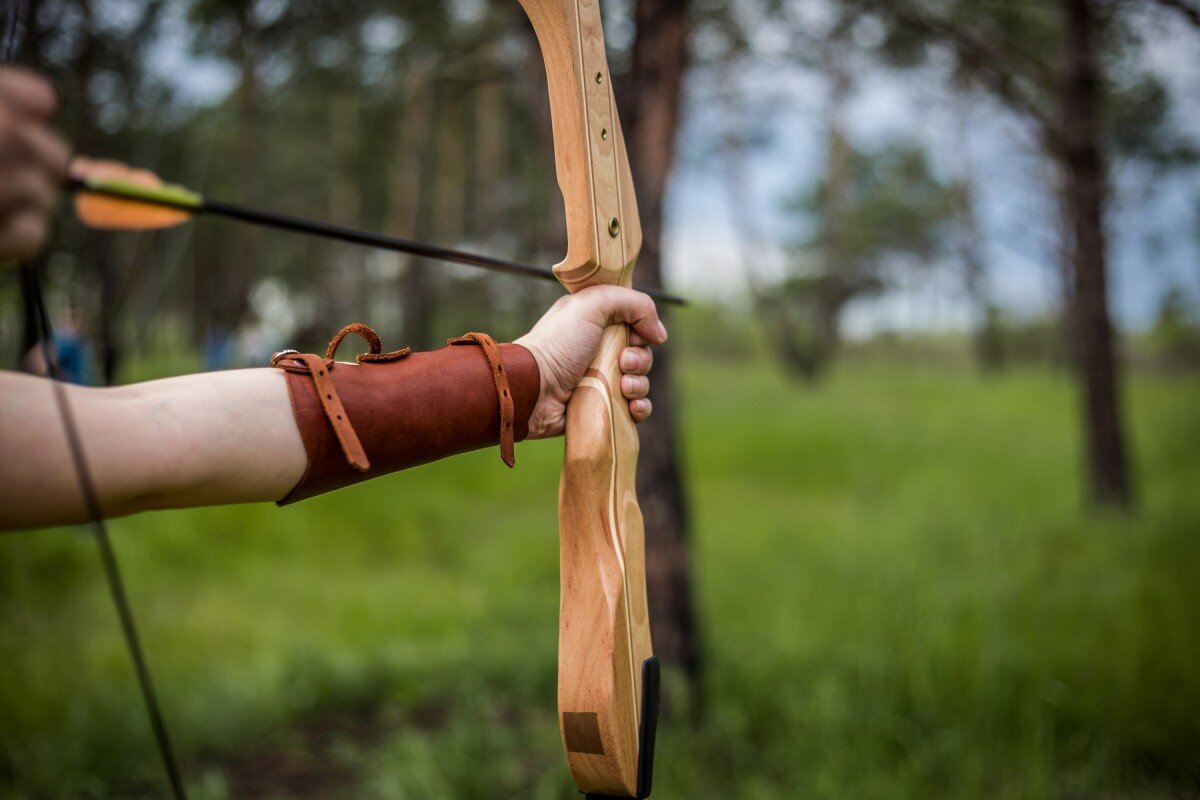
{"type": "Point", "coordinates": [209, 439]}
{"type": "Point", "coordinates": [231, 437]}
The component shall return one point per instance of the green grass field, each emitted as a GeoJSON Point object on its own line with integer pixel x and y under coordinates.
{"type": "Point", "coordinates": [899, 595]}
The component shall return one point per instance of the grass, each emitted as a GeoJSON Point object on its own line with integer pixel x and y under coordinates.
{"type": "Point", "coordinates": [899, 594]}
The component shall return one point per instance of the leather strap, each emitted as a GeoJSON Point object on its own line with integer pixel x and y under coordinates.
{"type": "Point", "coordinates": [492, 353]}
{"type": "Point", "coordinates": [321, 369]}
{"type": "Point", "coordinates": [335, 412]}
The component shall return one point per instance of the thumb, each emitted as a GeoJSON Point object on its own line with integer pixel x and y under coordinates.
{"type": "Point", "coordinates": [636, 309]}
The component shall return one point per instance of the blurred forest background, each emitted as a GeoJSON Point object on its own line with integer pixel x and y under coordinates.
{"type": "Point", "coordinates": [921, 483]}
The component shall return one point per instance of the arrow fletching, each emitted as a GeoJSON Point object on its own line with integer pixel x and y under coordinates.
{"type": "Point", "coordinates": [114, 196]}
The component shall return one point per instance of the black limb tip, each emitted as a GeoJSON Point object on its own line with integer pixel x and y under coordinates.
{"type": "Point", "coordinates": [651, 678]}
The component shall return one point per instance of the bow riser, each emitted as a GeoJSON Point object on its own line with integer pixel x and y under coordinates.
{"type": "Point", "coordinates": [604, 631]}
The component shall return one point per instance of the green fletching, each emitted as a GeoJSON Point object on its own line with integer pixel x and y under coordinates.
{"type": "Point", "coordinates": [168, 194]}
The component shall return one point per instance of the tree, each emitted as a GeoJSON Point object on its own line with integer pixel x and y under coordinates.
{"type": "Point", "coordinates": [651, 112]}
{"type": "Point", "coordinates": [878, 211]}
{"type": "Point", "coordinates": [1067, 71]}
{"type": "Point", "coordinates": [1176, 331]}
{"type": "Point", "coordinates": [874, 211]}
{"type": "Point", "coordinates": [1085, 193]}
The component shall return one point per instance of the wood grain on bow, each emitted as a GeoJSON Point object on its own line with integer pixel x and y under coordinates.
{"type": "Point", "coordinates": [607, 674]}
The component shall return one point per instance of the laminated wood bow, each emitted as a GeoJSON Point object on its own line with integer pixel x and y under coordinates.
{"type": "Point", "coordinates": [607, 673]}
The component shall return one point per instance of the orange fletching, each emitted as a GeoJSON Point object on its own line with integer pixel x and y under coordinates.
{"type": "Point", "coordinates": [111, 213]}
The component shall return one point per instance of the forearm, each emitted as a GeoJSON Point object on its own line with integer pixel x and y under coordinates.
{"type": "Point", "coordinates": [208, 439]}
{"type": "Point", "coordinates": [310, 425]}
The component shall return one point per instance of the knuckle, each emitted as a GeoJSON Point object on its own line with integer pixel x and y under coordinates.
{"type": "Point", "coordinates": [59, 153]}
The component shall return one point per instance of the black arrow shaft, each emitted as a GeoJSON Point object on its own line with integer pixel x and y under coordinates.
{"type": "Point", "coordinates": [287, 222]}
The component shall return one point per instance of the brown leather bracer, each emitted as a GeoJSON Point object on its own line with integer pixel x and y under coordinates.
{"type": "Point", "coordinates": [391, 411]}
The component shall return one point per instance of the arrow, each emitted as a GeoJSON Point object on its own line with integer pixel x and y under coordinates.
{"type": "Point", "coordinates": [140, 202]}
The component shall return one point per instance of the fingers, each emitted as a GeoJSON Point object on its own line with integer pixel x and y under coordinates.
{"type": "Point", "coordinates": [33, 162]}
{"type": "Point", "coordinates": [635, 363]}
{"type": "Point", "coordinates": [636, 360]}
{"type": "Point", "coordinates": [27, 190]}
{"type": "Point", "coordinates": [28, 93]}
{"type": "Point", "coordinates": [43, 149]}
{"type": "Point", "coordinates": [635, 387]}
{"type": "Point", "coordinates": [28, 194]}
{"type": "Point", "coordinates": [635, 309]}
{"type": "Point", "coordinates": [103, 169]}
{"type": "Point", "coordinates": [28, 144]}
{"type": "Point", "coordinates": [639, 410]}
{"type": "Point", "coordinates": [23, 234]}
{"type": "Point", "coordinates": [567, 338]}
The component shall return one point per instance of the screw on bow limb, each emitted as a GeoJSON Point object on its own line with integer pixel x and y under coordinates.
{"type": "Point", "coordinates": [113, 196]}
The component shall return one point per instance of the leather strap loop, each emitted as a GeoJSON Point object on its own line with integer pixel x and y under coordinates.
{"type": "Point", "coordinates": [374, 345]}
{"type": "Point", "coordinates": [507, 413]}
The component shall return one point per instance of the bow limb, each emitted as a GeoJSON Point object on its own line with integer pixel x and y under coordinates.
{"type": "Point", "coordinates": [607, 674]}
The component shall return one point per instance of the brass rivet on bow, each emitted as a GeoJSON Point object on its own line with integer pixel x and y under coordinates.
{"type": "Point", "coordinates": [599, 77]}
{"type": "Point", "coordinates": [614, 227]}
{"type": "Point", "coordinates": [604, 133]}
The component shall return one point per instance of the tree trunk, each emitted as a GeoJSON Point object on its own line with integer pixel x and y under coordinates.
{"type": "Point", "coordinates": [652, 110]}
{"type": "Point", "coordinates": [1091, 328]}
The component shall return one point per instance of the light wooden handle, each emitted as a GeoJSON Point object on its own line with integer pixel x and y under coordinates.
{"type": "Point", "coordinates": [604, 631]}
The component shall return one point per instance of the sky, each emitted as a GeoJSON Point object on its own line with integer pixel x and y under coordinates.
{"type": "Point", "coordinates": [1154, 220]}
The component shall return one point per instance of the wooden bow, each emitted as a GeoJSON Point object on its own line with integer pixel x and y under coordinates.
{"type": "Point", "coordinates": [607, 673]}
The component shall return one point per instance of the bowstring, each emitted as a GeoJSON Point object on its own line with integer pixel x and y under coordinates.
{"type": "Point", "coordinates": [14, 29]}
{"type": "Point", "coordinates": [35, 301]}
{"type": "Point", "coordinates": [108, 557]}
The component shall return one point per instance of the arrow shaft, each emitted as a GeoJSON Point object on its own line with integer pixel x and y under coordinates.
{"type": "Point", "coordinates": [271, 219]}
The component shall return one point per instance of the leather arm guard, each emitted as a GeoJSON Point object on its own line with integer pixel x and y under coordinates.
{"type": "Point", "coordinates": [391, 411]}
